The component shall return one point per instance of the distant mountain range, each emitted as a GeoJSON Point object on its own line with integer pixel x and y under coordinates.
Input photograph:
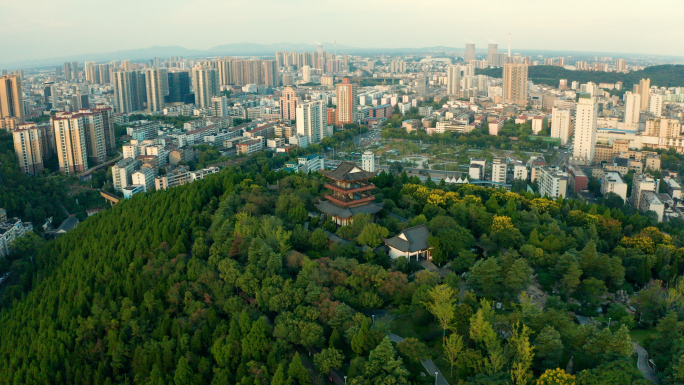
{"type": "Point", "coordinates": [253, 49]}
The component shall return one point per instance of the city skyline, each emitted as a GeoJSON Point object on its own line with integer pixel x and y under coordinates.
{"type": "Point", "coordinates": [32, 41]}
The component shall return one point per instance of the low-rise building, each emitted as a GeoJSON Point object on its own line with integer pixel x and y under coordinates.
{"type": "Point", "coordinates": [651, 202]}
{"type": "Point", "coordinates": [122, 172]}
{"type": "Point", "coordinates": [175, 178]}
{"type": "Point", "coordinates": [496, 126]}
{"type": "Point", "coordinates": [476, 171]}
{"type": "Point", "coordinates": [132, 189]}
{"type": "Point", "coordinates": [640, 184]}
{"type": "Point", "coordinates": [249, 147]}
{"type": "Point", "coordinates": [612, 182]}
{"type": "Point", "coordinates": [520, 171]}
{"type": "Point", "coordinates": [535, 165]}
{"type": "Point", "coordinates": [202, 173]}
{"type": "Point", "coordinates": [553, 182]}
{"type": "Point", "coordinates": [144, 177]}
{"type": "Point", "coordinates": [11, 229]}
{"type": "Point", "coordinates": [578, 180]}
{"type": "Point", "coordinates": [410, 243]}
{"type": "Point", "coordinates": [311, 163]}
{"type": "Point", "coordinates": [674, 190]}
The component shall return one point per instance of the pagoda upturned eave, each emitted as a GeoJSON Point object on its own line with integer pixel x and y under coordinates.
{"type": "Point", "coordinates": [355, 202]}
{"type": "Point", "coordinates": [342, 190]}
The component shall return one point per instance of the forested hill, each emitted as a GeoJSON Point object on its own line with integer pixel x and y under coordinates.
{"type": "Point", "coordinates": [662, 75]}
{"type": "Point", "coordinates": [222, 282]}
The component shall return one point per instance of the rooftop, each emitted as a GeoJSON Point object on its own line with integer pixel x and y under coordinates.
{"type": "Point", "coordinates": [412, 239]}
{"type": "Point", "coordinates": [349, 172]}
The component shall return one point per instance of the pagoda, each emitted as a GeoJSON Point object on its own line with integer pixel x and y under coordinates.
{"type": "Point", "coordinates": [350, 194]}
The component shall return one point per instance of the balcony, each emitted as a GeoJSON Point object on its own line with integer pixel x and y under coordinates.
{"type": "Point", "coordinates": [349, 202]}
{"type": "Point", "coordinates": [355, 190]}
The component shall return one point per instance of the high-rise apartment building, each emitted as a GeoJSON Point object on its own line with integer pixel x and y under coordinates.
{"type": "Point", "coordinates": [311, 120]}
{"type": "Point", "coordinates": [397, 66]}
{"type": "Point", "coordinates": [643, 89]}
{"type": "Point", "coordinates": [632, 107]}
{"type": "Point", "coordinates": [70, 138]}
{"type": "Point", "coordinates": [469, 53]}
{"type": "Point", "coordinates": [453, 80]}
{"type": "Point", "coordinates": [288, 104]}
{"type": "Point", "coordinates": [30, 148]}
{"type": "Point", "coordinates": [270, 73]}
{"type": "Point", "coordinates": [179, 87]}
{"type": "Point", "coordinates": [584, 142]}
{"type": "Point", "coordinates": [561, 125]}
{"type": "Point", "coordinates": [499, 168]}
{"type": "Point", "coordinates": [129, 91]}
{"type": "Point", "coordinates": [11, 98]}
{"type": "Point", "coordinates": [157, 87]}
{"type": "Point", "coordinates": [80, 102]}
{"type": "Point", "coordinates": [205, 84]}
{"type": "Point", "coordinates": [68, 72]}
{"type": "Point", "coordinates": [655, 105]}
{"type": "Point", "coordinates": [347, 103]}
{"type": "Point", "coordinates": [49, 95]}
{"type": "Point", "coordinates": [94, 130]}
{"type": "Point", "coordinates": [219, 106]}
{"type": "Point", "coordinates": [306, 74]}
{"type": "Point", "coordinates": [515, 83]}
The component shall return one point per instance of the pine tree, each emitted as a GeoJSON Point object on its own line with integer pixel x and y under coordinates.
{"type": "Point", "coordinates": [298, 372]}
{"type": "Point", "coordinates": [279, 376]}
{"type": "Point", "coordinates": [183, 375]}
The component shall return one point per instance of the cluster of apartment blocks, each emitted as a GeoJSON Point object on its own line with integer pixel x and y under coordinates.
{"type": "Point", "coordinates": [11, 229]}
{"type": "Point", "coordinates": [78, 139]}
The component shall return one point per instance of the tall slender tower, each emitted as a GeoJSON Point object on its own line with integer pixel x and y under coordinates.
{"type": "Point", "coordinates": [346, 103]}
{"type": "Point", "coordinates": [129, 91]}
{"type": "Point", "coordinates": [311, 120]}
{"type": "Point", "coordinates": [632, 106]}
{"type": "Point", "coordinates": [157, 86]}
{"type": "Point", "coordinates": [288, 104]}
{"type": "Point", "coordinates": [205, 84]}
{"type": "Point", "coordinates": [584, 142]}
{"type": "Point", "coordinates": [270, 73]}
{"type": "Point", "coordinates": [453, 80]}
{"type": "Point", "coordinates": [644, 91]}
{"type": "Point", "coordinates": [28, 146]}
{"type": "Point", "coordinates": [11, 98]}
{"type": "Point", "coordinates": [70, 138]}
{"type": "Point", "coordinates": [515, 83]}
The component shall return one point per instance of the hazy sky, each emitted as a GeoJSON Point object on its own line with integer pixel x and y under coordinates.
{"type": "Point", "coordinates": [35, 29]}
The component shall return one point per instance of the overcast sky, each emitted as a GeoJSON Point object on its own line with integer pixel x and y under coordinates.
{"type": "Point", "coordinates": [36, 29]}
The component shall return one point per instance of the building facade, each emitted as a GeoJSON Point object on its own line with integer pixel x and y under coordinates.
{"type": "Point", "coordinates": [515, 83]}
{"type": "Point", "coordinates": [584, 141]}
{"type": "Point", "coordinates": [28, 145]}
{"type": "Point", "coordinates": [347, 103]}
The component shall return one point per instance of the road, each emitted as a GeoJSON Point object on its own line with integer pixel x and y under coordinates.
{"type": "Point", "coordinates": [562, 158]}
{"type": "Point", "coordinates": [99, 166]}
{"type": "Point", "coordinates": [429, 365]}
{"type": "Point", "coordinates": [642, 364]}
